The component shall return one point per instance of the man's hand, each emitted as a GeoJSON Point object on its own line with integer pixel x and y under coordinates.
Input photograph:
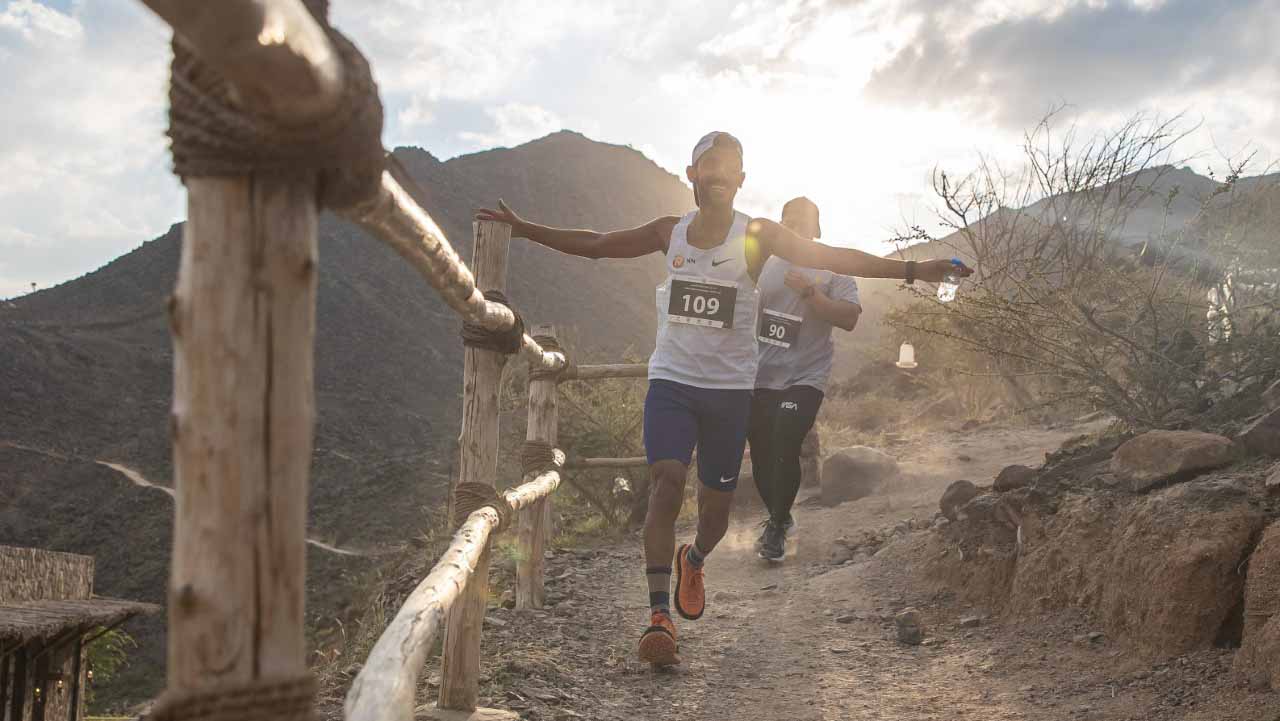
{"type": "Point", "coordinates": [933, 271]}
{"type": "Point", "coordinates": [797, 281]}
{"type": "Point", "coordinates": [504, 214]}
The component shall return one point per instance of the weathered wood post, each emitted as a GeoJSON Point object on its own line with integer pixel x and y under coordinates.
{"type": "Point", "coordinates": [535, 521]}
{"type": "Point", "coordinates": [478, 463]}
{"type": "Point", "coordinates": [243, 320]}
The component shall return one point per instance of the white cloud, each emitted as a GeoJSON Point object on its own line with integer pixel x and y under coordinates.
{"type": "Point", "coordinates": [83, 164]}
{"type": "Point", "coordinates": [514, 123]}
{"type": "Point", "coordinates": [851, 102]}
{"type": "Point", "coordinates": [39, 24]}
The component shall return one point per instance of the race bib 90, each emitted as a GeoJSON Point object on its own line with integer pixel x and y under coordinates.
{"type": "Point", "coordinates": [702, 301]}
{"type": "Point", "coordinates": [778, 329]}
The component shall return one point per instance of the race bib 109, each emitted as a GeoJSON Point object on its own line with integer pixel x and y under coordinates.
{"type": "Point", "coordinates": [778, 329]}
{"type": "Point", "coordinates": [702, 301]}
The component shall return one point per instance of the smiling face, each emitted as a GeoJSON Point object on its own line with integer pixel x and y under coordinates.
{"type": "Point", "coordinates": [716, 177]}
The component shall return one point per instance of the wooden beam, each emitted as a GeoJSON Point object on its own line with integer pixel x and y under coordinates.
{"type": "Point", "coordinates": [535, 521]}
{"type": "Point", "coordinates": [243, 320]}
{"type": "Point", "coordinates": [19, 692]}
{"type": "Point", "coordinates": [396, 219]}
{"type": "Point", "coordinates": [582, 464]}
{"type": "Point", "coordinates": [611, 370]}
{"type": "Point", "coordinates": [384, 688]}
{"type": "Point", "coordinates": [478, 463]}
{"type": "Point", "coordinates": [77, 681]}
{"type": "Point", "coordinates": [276, 56]}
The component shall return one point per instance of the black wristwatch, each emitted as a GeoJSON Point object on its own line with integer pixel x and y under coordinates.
{"type": "Point", "coordinates": [911, 272]}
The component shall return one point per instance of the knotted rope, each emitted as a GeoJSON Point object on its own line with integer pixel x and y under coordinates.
{"type": "Point", "coordinates": [471, 496]}
{"type": "Point", "coordinates": [274, 700]}
{"type": "Point", "coordinates": [213, 136]}
{"type": "Point", "coordinates": [537, 456]}
{"type": "Point", "coordinates": [507, 341]}
{"type": "Point", "coordinates": [549, 345]}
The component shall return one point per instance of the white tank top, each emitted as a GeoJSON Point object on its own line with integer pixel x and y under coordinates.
{"type": "Point", "coordinates": [700, 342]}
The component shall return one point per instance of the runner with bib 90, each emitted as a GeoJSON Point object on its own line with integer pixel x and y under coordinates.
{"type": "Point", "coordinates": [703, 368]}
{"type": "Point", "coordinates": [798, 309]}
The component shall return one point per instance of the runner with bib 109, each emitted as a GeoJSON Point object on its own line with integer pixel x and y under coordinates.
{"type": "Point", "coordinates": [703, 368]}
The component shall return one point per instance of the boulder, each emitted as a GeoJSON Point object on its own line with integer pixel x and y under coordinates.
{"type": "Point", "coordinates": [747, 495]}
{"type": "Point", "coordinates": [910, 627]}
{"type": "Point", "coordinates": [1156, 457]}
{"type": "Point", "coordinates": [956, 495]}
{"type": "Point", "coordinates": [855, 472]}
{"type": "Point", "coordinates": [1161, 570]}
{"type": "Point", "coordinates": [980, 509]}
{"type": "Point", "coordinates": [1258, 660]}
{"type": "Point", "coordinates": [1013, 477]}
{"type": "Point", "coordinates": [1263, 435]}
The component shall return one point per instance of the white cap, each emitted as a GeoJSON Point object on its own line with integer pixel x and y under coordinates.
{"type": "Point", "coordinates": [709, 141]}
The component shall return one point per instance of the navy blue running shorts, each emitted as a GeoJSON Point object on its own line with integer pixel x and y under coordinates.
{"type": "Point", "coordinates": [678, 417]}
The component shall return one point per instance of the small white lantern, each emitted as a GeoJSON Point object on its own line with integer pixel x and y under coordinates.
{"type": "Point", "coordinates": [907, 356]}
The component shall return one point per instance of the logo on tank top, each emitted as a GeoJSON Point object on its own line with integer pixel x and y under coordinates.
{"type": "Point", "coordinates": [715, 263]}
{"type": "Point", "coordinates": [677, 262]}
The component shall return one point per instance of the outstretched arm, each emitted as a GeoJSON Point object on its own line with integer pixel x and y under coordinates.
{"type": "Point", "coordinates": [633, 243]}
{"type": "Point", "coordinates": [776, 239]}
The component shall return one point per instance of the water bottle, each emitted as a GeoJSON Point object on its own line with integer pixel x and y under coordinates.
{"type": "Point", "coordinates": [950, 282]}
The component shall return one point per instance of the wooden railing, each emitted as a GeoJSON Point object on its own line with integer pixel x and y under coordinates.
{"type": "Point", "coordinates": [242, 321]}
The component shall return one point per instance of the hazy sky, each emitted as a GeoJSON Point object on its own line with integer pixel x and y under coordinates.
{"type": "Point", "coordinates": [851, 102]}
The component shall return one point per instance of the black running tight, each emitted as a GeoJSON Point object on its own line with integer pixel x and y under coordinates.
{"type": "Point", "coordinates": [779, 422]}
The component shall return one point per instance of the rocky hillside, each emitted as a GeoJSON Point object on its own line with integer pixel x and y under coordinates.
{"type": "Point", "coordinates": [85, 370]}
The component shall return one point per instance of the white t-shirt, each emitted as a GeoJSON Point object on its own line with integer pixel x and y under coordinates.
{"type": "Point", "coordinates": [804, 353]}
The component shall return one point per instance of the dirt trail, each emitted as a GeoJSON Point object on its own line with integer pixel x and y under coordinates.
{"type": "Point", "coordinates": [812, 641]}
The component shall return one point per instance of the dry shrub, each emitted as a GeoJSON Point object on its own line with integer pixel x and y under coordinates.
{"type": "Point", "coordinates": [1153, 329]}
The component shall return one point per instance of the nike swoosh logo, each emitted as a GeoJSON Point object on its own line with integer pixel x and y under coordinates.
{"type": "Point", "coordinates": [714, 263]}
{"type": "Point", "coordinates": [726, 480]}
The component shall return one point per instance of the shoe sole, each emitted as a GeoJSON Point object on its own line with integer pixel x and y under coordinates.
{"type": "Point", "coordinates": [680, 562]}
{"type": "Point", "coordinates": [658, 648]}
{"type": "Point", "coordinates": [772, 559]}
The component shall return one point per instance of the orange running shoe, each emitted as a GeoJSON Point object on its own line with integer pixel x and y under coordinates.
{"type": "Point", "coordinates": [658, 643]}
{"type": "Point", "coordinates": [691, 590]}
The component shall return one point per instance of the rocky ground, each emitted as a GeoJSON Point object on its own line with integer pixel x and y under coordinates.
{"type": "Point", "coordinates": [815, 637]}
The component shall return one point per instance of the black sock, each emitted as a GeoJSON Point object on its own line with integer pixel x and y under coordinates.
{"type": "Point", "coordinates": [696, 556]}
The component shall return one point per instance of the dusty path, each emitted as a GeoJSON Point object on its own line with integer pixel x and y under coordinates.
{"type": "Point", "coordinates": [812, 640]}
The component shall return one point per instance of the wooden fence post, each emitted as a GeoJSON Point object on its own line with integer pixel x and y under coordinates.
{"type": "Point", "coordinates": [535, 521]}
{"type": "Point", "coordinates": [243, 321]}
{"type": "Point", "coordinates": [477, 463]}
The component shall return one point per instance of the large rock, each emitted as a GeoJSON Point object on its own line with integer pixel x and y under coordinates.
{"type": "Point", "coordinates": [1014, 477]}
{"type": "Point", "coordinates": [1263, 435]}
{"type": "Point", "coordinates": [1162, 570]}
{"type": "Point", "coordinates": [1259, 657]}
{"type": "Point", "coordinates": [910, 626]}
{"type": "Point", "coordinates": [855, 472]}
{"type": "Point", "coordinates": [956, 495]}
{"type": "Point", "coordinates": [1159, 456]}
